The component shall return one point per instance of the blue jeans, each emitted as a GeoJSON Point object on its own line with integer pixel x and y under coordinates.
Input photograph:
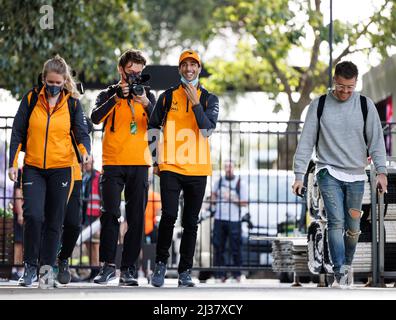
{"type": "Point", "coordinates": [343, 203]}
{"type": "Point", "coordinates": [223, 231]}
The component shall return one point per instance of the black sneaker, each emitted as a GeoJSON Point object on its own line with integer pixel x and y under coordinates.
{"type": "Point", "coordinates": [158, 277]}
{"type": "Point", "coordinates": [15, 276]}
{"type": "Point", "coordinates": [64, 275]}
{"type": "Point", "coordinates": [185, 279]}
{"type": "Point", "coordinates": [106, 274]}
{"type": "Point", "coordinates": [129, 277]}
{"type": "Point", "coordinates": [29, 276]}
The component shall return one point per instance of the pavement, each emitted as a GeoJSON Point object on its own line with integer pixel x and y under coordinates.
{"type": "Point", "coordinates": [247, 289]}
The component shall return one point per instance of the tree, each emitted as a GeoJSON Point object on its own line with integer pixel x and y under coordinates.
{"type": "Point", "coordinates": [90, 35]}
{"type": "Point", "coordinates": [270, 30]}
{"type": "Point", "coordinates": [175, 23]}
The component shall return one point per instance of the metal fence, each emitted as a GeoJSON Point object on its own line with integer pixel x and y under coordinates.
{"type": "Point", "coordinates": [262, 152]}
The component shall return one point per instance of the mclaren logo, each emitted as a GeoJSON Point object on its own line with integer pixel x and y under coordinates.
{"type": "Point", "coordinates": [174, 106]}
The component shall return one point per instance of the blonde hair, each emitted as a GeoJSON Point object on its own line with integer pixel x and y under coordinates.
{"type": "Point", "coordinates": [58, 65]}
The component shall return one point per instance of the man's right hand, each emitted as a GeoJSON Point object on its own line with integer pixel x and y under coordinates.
{"type": "Point", "coordinates": [20, 219]}
{"type": "Point", "coordinates": [297, 187]}
{"type": "Point", "coordinates": [122, 90]}
{"type": "Point", "coordinates": [13, 174]}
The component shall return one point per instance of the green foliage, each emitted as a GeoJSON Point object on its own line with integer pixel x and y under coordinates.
{"type": "Point", "coordinates": [274, 30]}
{"type": "Point", "coordinates": [6, 213]}
{"type": "Point", "coordinates": [176, 23]}
{"type": "Point", "coordinates": [247, 71]}
{"type": "Point", "coordinates": [384, 37]}
{"type": "Point", "coordinates": [88, 34]}
{"type": "Point", "coordinates": [341, 32]}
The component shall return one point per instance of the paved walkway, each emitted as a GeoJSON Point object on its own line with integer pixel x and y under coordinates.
{"type": "Point", "coordinates": [249, 289]}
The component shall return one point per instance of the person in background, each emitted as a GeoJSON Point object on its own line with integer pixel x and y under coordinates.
{"type": "Point", "coordinates": [230, 195]}
{"type": "Point", "coordinates": [17, 271]}
{"type": "Point", "coordinates": [91, 213]}
{"type": "Point", "coordinates": [153, 212]}
{"type": "Point", "coordinates": [72, 222]}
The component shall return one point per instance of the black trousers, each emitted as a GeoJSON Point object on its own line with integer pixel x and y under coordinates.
{"type": "Point", "coordinates": [72, 223]}
{"type": "Point", "coordinates": [112, 182]}
{"type": "Point", "coordinates": [193, 190]}
{"type": "Point", "coordinates": [45, 193]}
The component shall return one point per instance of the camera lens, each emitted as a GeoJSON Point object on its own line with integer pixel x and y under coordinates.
{"type": "Point", "coordinates": [137, 89]}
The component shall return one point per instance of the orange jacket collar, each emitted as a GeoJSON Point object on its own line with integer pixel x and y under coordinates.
{"type": "Point", "coordinates": [64, 96]}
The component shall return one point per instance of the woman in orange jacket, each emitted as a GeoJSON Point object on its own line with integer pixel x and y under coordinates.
{"type": "Point", "coordinates": [48, 118]}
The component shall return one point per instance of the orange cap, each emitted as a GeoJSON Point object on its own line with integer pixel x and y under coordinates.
{"type": "Point", "coordinates": [189, 54]}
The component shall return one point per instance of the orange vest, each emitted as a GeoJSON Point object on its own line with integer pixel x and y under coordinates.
{"type": "Point", "coordinates": [153, 205]}
{"type": "Point", "coordinates": [121, 147]}
{"type": "Point", "coordinates": [93, 207]}
{"type": "Point", "coordinates": [184, 149]}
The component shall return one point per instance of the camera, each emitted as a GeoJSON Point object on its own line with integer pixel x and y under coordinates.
{"type": "Point", "coordinates": [135, 83]}
{"type": "Point", "coordinates": [302, 193]}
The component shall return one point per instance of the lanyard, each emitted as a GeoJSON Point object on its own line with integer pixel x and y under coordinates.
{"type": "Point", "coordinates": [132, 109]}
{"type": "Point", "coordinates": [133, 124]}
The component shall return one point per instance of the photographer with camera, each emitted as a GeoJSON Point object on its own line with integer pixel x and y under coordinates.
{"type": "Point", "coordinates": [124, 109]}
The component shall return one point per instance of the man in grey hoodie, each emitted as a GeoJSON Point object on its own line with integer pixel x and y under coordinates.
{"type": "Point", "coordinates": [342, 139]}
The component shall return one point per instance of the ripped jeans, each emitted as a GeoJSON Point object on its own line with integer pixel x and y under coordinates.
{"type": "Point", "coordinates": [343, 203]}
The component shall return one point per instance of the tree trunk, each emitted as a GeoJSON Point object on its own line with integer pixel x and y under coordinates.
{"type": "Point", "coordinates": [288, 143]}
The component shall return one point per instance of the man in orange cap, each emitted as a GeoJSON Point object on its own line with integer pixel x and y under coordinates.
{"type": "Point", "coordinates": [187, 115]}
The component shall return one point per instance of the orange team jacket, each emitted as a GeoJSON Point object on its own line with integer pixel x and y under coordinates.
{"type": "Point", "coordinates": [45, 135]}
{"type": "Point", "coordinates": [185, 146]}
{"type": "Point", "coordinates": [120, 146]}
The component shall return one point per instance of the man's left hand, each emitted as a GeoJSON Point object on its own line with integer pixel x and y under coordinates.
{"type": "Point", "coordinates": [382, 183]}
{"type": "Point", "coordinates": [192, 94]}
{"type": "Point", "coordinates": [142, 99]}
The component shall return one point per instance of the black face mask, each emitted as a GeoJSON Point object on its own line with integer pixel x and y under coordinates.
{"type": "Point", "coordinates": [53, 90]}
{"type": "Point", "coordinates": [133, 77]}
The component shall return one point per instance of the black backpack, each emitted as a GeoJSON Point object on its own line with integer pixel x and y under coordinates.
{"type": "Point", "coordinates": [363, 105]}
{"type": "Point", "coordinates": [237, 186]}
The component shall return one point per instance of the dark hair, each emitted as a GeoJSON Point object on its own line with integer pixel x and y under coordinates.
{"type": "Point", "coordinates": [134, 56]}
{"type": "Point", "coordinates": [346, 69]}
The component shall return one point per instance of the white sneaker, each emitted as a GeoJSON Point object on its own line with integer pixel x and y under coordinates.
{"type": "Point", "coordinates": [335, 284]}
{"type": "Point", "coordinates": [346, 280]}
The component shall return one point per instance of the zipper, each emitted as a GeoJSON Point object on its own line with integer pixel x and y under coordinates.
{"type": "Point", "coordinates": [46, 138]}
{"type": "Point", "coordinates": [187, 106]}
